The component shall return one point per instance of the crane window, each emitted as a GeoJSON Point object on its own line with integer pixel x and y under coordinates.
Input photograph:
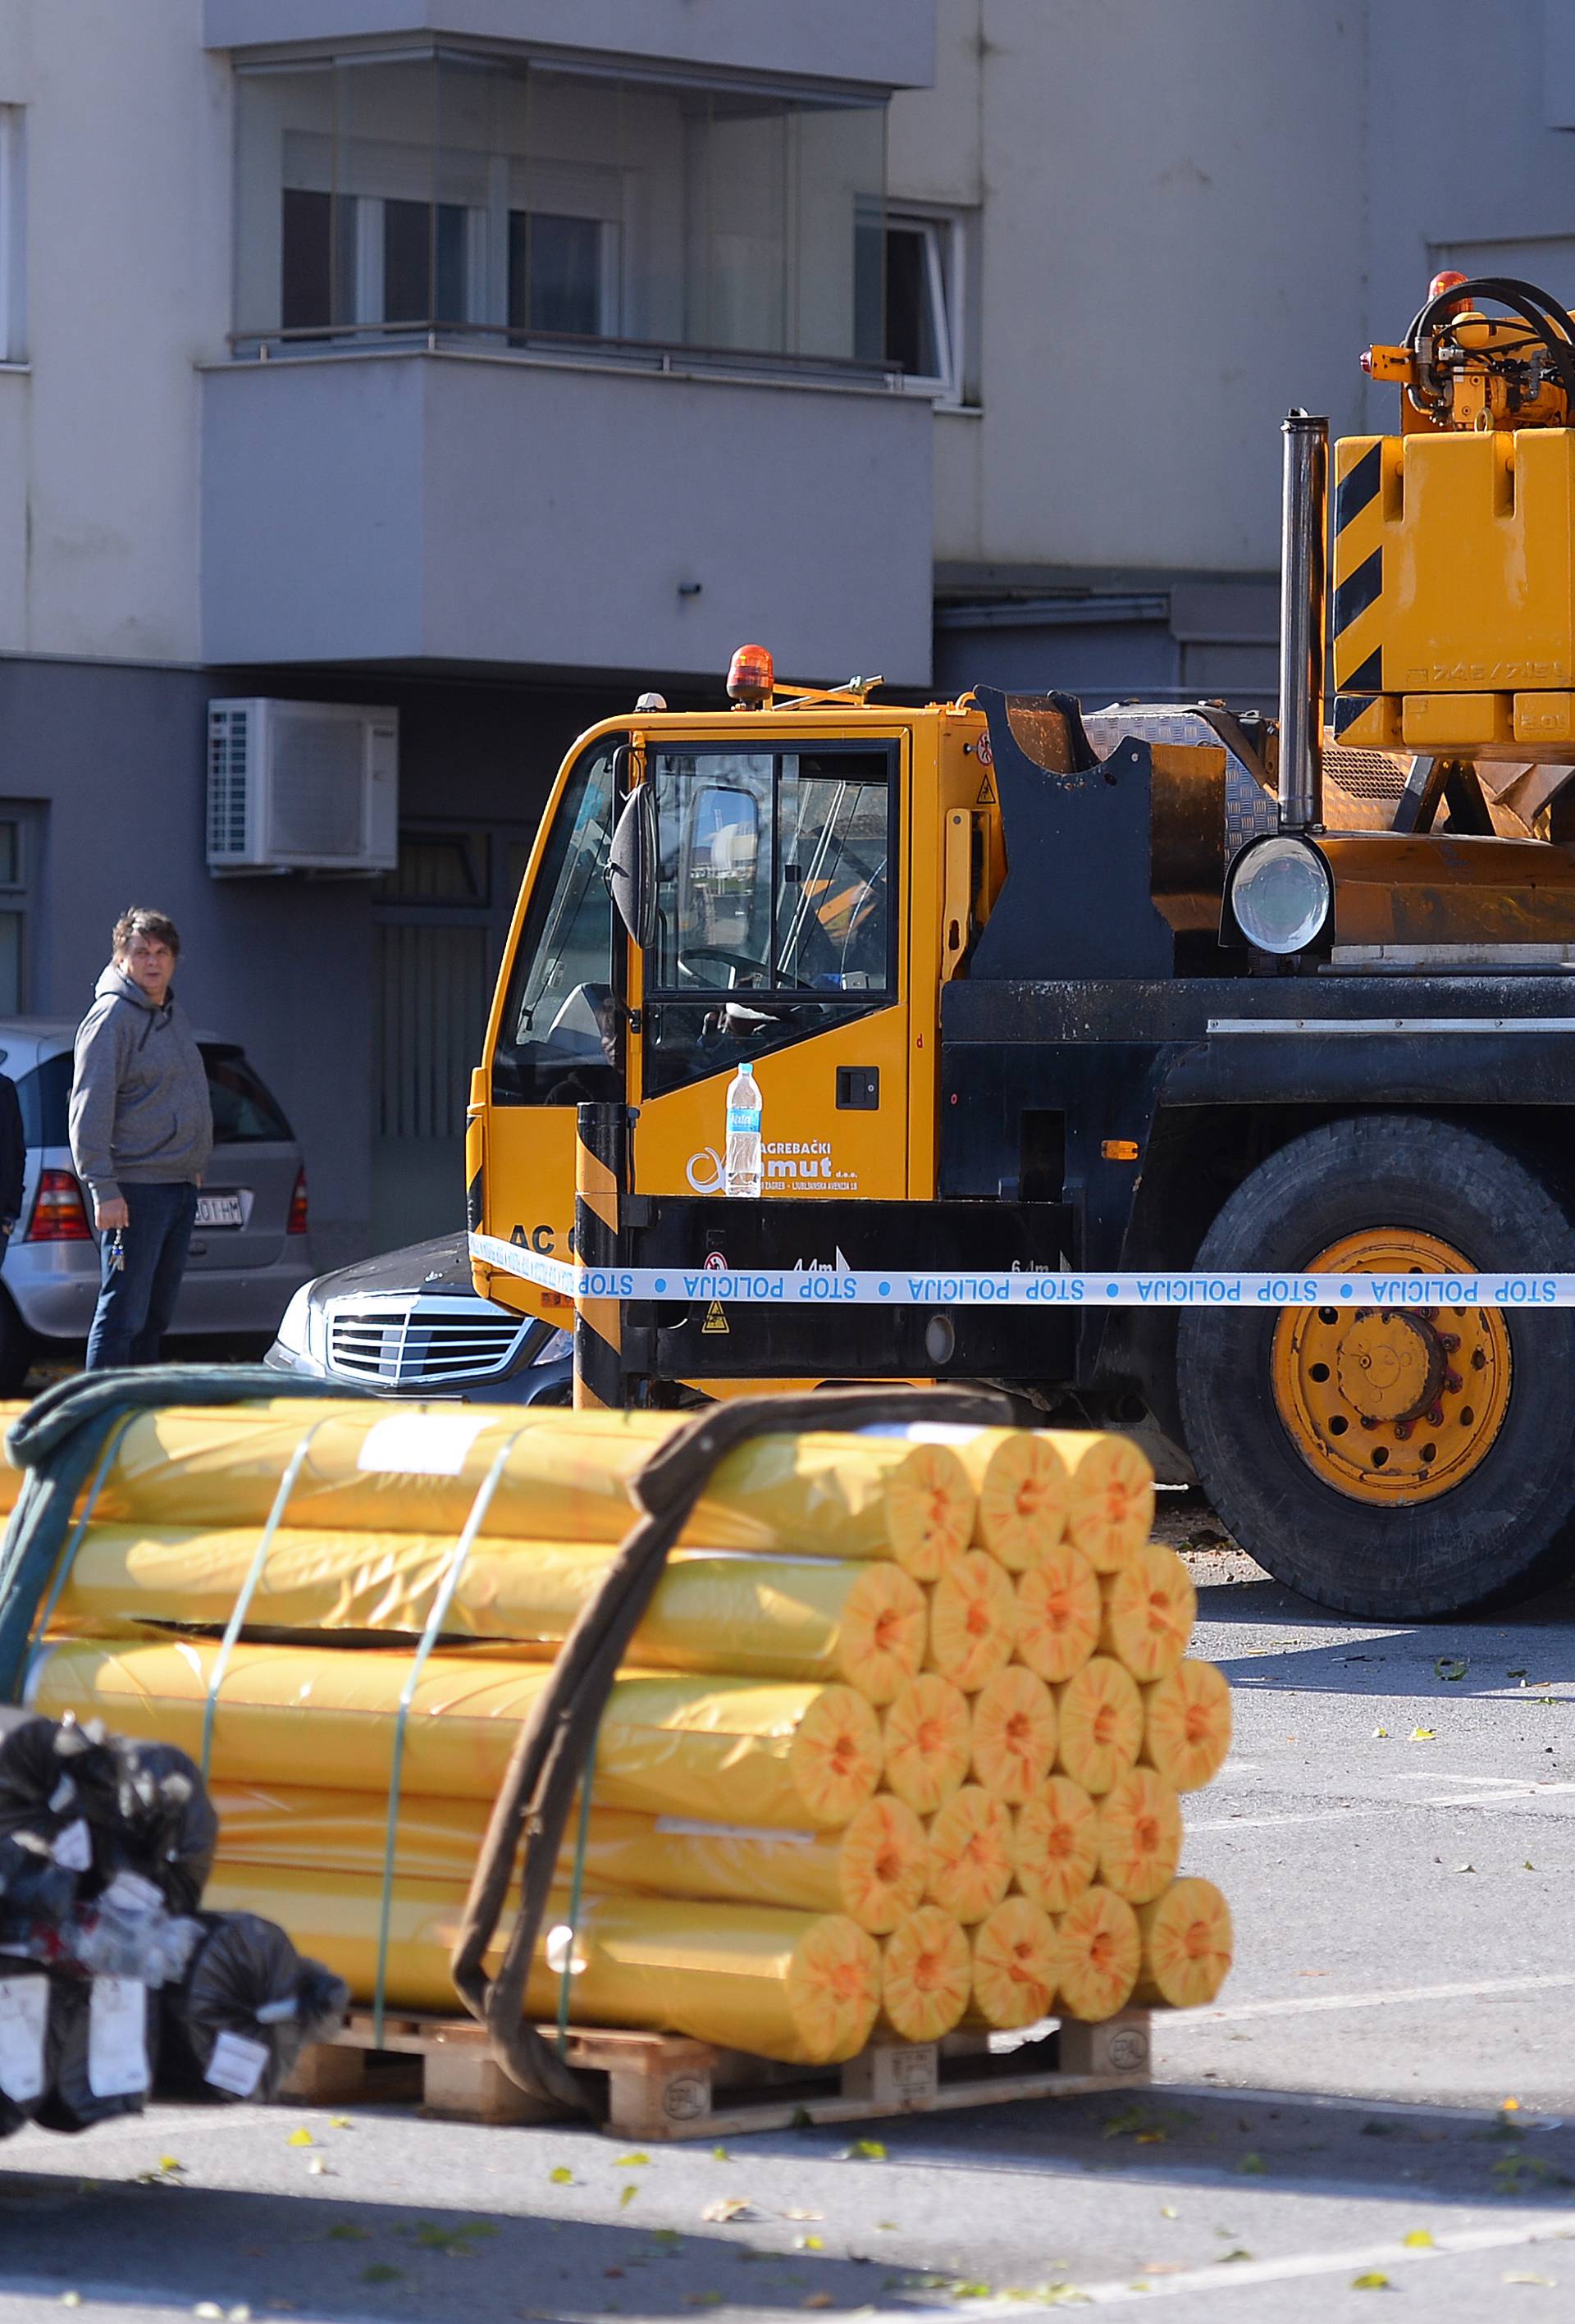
{"type": "Point", "coordinates": [559, 1039]}
{"type": "Point", "coordinates": [775, 913]}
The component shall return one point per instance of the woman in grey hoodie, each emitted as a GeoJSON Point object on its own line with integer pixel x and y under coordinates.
{"type": "Point", "coordinates": [142, 1133]}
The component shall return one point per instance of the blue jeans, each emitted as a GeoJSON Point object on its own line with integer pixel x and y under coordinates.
{"type": "Point", "coordinates": [137, 1300]}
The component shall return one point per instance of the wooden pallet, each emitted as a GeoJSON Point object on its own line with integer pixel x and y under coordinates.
{"type": "Point", "coordinates": [663, 2086]}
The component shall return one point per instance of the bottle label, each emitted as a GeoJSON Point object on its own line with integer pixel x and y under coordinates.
{"type": "Point", "coordinates": [743, 1122]}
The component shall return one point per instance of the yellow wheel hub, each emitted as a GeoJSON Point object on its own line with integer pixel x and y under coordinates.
{"type": "Point", "coordinates": [1392, 1405]}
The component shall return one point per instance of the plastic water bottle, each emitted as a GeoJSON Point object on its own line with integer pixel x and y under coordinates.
{"type": "Point", "coordinates": [743, 1173]}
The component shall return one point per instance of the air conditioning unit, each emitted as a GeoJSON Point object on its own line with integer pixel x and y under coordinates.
{"type": "Point", "coordinates": [301, 786]}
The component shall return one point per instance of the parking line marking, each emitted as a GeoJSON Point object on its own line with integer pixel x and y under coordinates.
{"type": "Point", "coordinates": [1309, 2005]}
{"type": "Point", "coordinates": [1448, 2244]}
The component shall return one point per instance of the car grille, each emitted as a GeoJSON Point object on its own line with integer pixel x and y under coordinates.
{"type": "Point", "coordinates": [423, 1342]}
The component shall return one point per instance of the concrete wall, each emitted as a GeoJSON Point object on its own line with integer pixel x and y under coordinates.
{"type": "Point", "coordinates": [462, 508]}
{"type": "Point", "coordinates": [115, 755]}
{"type": "Point", "coordinates": [128, 259]}
{"type": "Point", "coordinates": [1169, 254]}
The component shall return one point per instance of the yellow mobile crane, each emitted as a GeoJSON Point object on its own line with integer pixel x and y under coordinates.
{"type": "Point", "coordinates": [1027, 986]}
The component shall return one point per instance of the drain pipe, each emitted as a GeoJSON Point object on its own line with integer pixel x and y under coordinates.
{"type": "Point", "coordinates": [1303, 532]}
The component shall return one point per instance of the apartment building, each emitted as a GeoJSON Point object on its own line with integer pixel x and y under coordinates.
{"type": "Point", "coordinates": [489, 362]}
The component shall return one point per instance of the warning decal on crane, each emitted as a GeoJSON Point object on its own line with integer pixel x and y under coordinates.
{"type": "Point", "coordinates": [716, 1321]}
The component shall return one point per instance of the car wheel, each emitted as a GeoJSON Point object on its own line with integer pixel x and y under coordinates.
{"type": "Point", "coordinates": [1395, 1462]}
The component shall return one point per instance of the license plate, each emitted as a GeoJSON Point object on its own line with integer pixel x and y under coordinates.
{"type": "Point", "coordinates": [219, 1211]}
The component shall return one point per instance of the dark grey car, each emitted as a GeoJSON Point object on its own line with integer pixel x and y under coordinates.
{"type": "Point", "coordinates": [411, 1323]}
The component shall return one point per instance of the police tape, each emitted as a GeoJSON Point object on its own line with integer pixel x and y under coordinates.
{"type": "Point", "coordinates": [823, 1286]}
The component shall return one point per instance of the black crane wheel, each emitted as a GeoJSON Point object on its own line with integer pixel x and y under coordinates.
{"type": "Point", "coordinates": [1396, 1463]}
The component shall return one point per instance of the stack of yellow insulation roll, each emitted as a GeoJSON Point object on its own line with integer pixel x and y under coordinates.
{"type": "Point", "coordinates": [898, 1743]}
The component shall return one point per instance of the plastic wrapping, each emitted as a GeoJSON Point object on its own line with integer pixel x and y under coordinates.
{"type": "Point", "coordinates": [799, 1987]}
{"type": "Point", "coordinates": [1147, 1612]}
{"type": "Point", "coordinates": [1099, 1720]}
{"type": "Point", "coordinates": [971, 1855]}
{"type": "Point", "coordinates": [26, 2049]}
{"type": "Point", "coordinates": [1186, 1725]}
{"type": "Point", "coordinates": [974, 1618]}
{"type": "Point", "coordinates": [873, 1870]}
{"type": "Point", "coordinates": [1100, 1950]}
{"type": "Point", "coordinates": [234, 2025]}
{"type": "Point", "coordinates": [1017, 1957]}
{"type": "Point", "coordinates": [926, 1976]}
{"type": "Point", "coordinates": [167, 1831]}
{"type": "Point", "coordinates": [741, 1751]}
{"type": "Point", "coordinates": [929, 1739]}
{"type": "Point", "coordinates": [416, 1468]}
{"type": "Point", "coordinates": [1056, 1844]}
{"type": "Point", "coordinates": [1187, 1944]}
{"type": "Point", "coordinates": [1140, 1836]}
{"type": "Point", "coordinates": [100, 2042]}
{"type": "Point", "coordinates": [1022, 1484]}
{"type": "Point", "coordinates": [1013, 1734]}
{"type": "Point", "coordinates": [1109, 1495]}
{"type": "Point", "coordinates": [749, 1616]}
{"type": "Point", "coordinates": [1059, 1612]}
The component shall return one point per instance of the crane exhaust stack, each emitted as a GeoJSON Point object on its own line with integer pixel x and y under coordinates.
{"type": "Point", "coordinates": [1303, 533]}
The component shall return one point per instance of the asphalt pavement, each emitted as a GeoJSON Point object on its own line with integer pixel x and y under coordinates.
{"type": "Point", "coordinates": [1380, 2108]}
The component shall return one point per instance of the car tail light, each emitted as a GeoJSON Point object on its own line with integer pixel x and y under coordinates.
{"type": "Point", "coordinates": [297, 1223]}
{"type": "Point", "coordinates": [58, 1212]}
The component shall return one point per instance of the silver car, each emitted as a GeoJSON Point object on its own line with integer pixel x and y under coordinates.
{"type": "Point", "coordinates": [249, 1254]}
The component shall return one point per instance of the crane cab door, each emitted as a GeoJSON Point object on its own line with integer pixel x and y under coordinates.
{"type": "Point", "coordinates": [780, 936]}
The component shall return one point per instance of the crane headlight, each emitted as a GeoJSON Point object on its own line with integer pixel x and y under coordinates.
{"type": "Point", "coordinates": [1279, 893]}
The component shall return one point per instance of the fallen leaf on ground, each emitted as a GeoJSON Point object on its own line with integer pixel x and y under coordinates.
{"type": "Point", "coordinates": [631, 2162]}
{"type": "Point", "coordinates": [340, 2122]}
{"type": "Point", "coordinates": [1168, 2211]}
{"type": "Point", "coordinates": [626, 2196]}
{"type": "Point", "coordinates": [346, 2232]}
{"type": "Point", "coordinates": [730, 2206]}
{"type": "Point", "coordinates": [720, 2155]}
{"type": "Point", "coordinates": [820, 2215]}
{"type": "Point", "coordinates": [1240, 2253]}
{"type": "Point", "coordinates": [1548, 2282]}
{"type": "Point", "coordinates": [300, 2138]}
{"type": "Point", "coordinates": [816, 2300]}
{"type": "Point", "coordinates": [1375, 2280]}
{"type": "Point", "coordinates": [210, 2311]}
{"type": "Point", "coordinates": [380, 2271]}
{"type": "Point", "coordinates": [1465, 1868]}
{"type": "Point", "coordinates": [317, 2165]}
{"type": "Point", "coordinates": [562, 2176]}
{"type": "Point", "coordinates": [1380, 1734]}
{"type": "Point", "coordinates": [1421, 1735]}
{"type": "Point", "coordinates": [809, 2243]}
{"type": "Point", "coordinates": [863, 2150]}
{"type": "Point", "coordinates": [1449, 1666]}
{"type": "Point", "coordinates": [1252, 2166]}
{"type": "Point", "coordinates": [1419, 2239]}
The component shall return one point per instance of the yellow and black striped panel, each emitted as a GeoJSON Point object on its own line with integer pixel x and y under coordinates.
{"type": "Point", "coordinates": [601, 1173]}
{"type": "Point", "coordinates": [1358, 621]}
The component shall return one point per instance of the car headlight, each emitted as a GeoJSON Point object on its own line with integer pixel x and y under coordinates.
{"type": "Point", "coordinates": [300, 1328]}
{"type": "Point", "coordinates": [1279, 893]}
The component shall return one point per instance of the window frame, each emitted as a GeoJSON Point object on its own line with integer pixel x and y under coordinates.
{"type": "Point", "coordinates": [24, 895]}
{"type": "Point", "coordinates": [13, 236]}
{"type": "Point", "coordinates": [946, 274]}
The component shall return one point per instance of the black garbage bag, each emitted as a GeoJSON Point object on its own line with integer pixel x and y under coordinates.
{"type": "Point", "coordinates": [237, 2023]}
{"type": "Point", "coordinates": [102, 2033]}
{"type": "Point", "coordinates": [166, 1828]}
{"type": "Point", "coordinates": [60, 1781]}
{"type": "Point", "coordinates": [26, 2048]}
{"type": "Point", "coordinates": [32, 1885]}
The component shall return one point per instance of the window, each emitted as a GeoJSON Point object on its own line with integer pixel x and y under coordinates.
{"type": "Point", "coordinates": [559, 1041]}
{"type": "Point", "coordinates": [244, 1112]}
{"type": "Point", "coordinates": [22, 831]}
{"type": "Point", "coordinates": [774, 902]}
{"type": "Point", "coordinates": [12, 235]}
{"type": "Point", "coordinates": [524, 205]}
{"type": "Point", "coordinates": [920, 331]}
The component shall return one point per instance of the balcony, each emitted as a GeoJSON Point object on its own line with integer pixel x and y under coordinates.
{"type": "Point", "coordinates": [462, 508]}
{"type": "Point", "coordinates": [540, 366]}
{"type": "Point", "coordinates": [890, 47]}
